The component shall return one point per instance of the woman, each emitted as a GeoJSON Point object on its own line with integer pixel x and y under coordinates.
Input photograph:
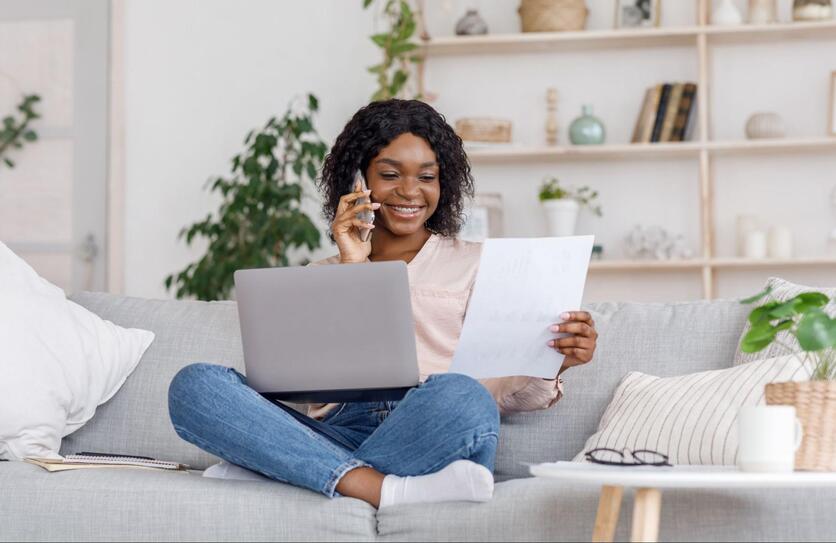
{"type": "Point", "coordinates": [439, 442]}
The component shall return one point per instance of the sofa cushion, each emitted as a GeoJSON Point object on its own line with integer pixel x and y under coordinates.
{"type": "Point", "coordinates": [692, 418]}
{"type": "Point", "coordinates": [541, 510]}
{"type": "Point", "coordinates": [142, 505]}
{"type": "Point", "coordinates": [136, 421]}
{"type": "Point", "coordinates": [659, 339]}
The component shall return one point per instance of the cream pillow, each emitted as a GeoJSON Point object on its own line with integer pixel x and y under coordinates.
{"type": "Point", "coordinates": [782, 291]}
{"type": "Point", "coordinates": [58, 361]}
{"type": "Point", "coordinates": [690, 418]}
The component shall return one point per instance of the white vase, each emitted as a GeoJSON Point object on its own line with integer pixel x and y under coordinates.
{"type": "Point", "coordinates": [726, 14]}
{"type": "Point", "coordinates": [561, 216]}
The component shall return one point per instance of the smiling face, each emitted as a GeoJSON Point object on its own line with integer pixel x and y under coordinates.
{"type": "Point", "coordinates": [403, 177]}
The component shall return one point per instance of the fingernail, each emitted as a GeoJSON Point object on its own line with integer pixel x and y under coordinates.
{"type": "Point", "coordinates": [555, 328]}
{"type": "Point", "coordinates": [375, 205]}
{"type": "Point", "coordinates": [565, 316]}
{"type": "Point", "coordinates": [551, 343]}
{"type": "Point", "coordinates": [368, 191]}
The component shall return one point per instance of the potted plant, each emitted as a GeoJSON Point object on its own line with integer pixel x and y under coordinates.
{"type": "Point", "coordinates": [563, 204]}
{"type": "Point", "coordinates": [260, 221]}
{"type": "Point", "coordinates": [803, 318]}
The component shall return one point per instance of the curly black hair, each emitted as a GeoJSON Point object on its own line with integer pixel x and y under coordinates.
{"type": "Point", "coordinates": [371, 129]}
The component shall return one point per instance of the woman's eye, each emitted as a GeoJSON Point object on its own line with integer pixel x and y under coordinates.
{"type": "Point", "coordinates": [427, 177]}
{"type": "Point", "coordinates": [389, 175]}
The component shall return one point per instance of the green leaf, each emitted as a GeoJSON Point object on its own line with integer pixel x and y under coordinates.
{"type": "Point", "coordinates": [757, 338]}
{"type": "Point", "coordinates": [313, 103]}
{"type": "Point", "coordinates": [757, 296]}
{"type": "Point", "coordinates": [809, 300]}
{"type": "Point", "coordinates": [30, 135]}
{"type": "Point", "coordinates": [367, 3]}
{"type": "Point", "coordinates": [9, 162]}
{"type": "Point", "coordinates": [762, 313]}
{"type": "Point", "coordinates": [816, 331]}
{"type": "Point", "coordinates": [399, 49]}
{"type": "Point", "coordinates": [380, 39]}
{"type": "Point", "coordinates": [311, 170]}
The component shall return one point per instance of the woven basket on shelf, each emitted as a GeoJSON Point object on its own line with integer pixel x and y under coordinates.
{"type": "Point", "coordinates": [815, 407]}
{"type": "Point", "coordinates": [553, 15]}
{"type": "Point", "coordinates": [484, 129]}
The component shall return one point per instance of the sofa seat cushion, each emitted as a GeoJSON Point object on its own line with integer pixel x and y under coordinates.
{"type": "Point", "coordinates": [542, 510]}
{"type": "Point", "coordinates": [144, 505]}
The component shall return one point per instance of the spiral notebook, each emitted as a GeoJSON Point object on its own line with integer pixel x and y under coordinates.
{"type": "Point", "coordinates": [98, 460]}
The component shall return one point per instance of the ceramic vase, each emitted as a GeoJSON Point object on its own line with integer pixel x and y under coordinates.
{"type": "Point", "coordinates": [561, 216]}
{"type": "Point", "coordinates": [726, 14]}
{"type": "Point", "coordinates": [587, 129]}
{"type": "Point", "coordinates": [471, 24]}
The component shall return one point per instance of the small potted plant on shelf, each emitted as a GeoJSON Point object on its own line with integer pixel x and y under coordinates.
{"type": "Point", "coordinates": [802, 317]}
{"type": "Point", "coordinates": [563, 204]}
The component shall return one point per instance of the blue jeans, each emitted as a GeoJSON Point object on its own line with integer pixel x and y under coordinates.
{"type": "Point", "coordinates": [449, 417]}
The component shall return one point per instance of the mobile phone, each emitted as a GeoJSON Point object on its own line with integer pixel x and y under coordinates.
{"type": "Point", "coordinates": [366, 216]}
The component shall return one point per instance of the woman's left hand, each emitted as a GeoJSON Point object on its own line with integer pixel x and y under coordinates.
{"type": "Point", "coordinates": [579, 345]}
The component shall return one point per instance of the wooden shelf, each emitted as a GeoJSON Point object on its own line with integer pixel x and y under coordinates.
{"type": "Point", "coordinates": [590, 39]}
{"type": "Point", "coordinates": [699, 263]}
{"type": "Point", "coordinates": [520, 153]}
{"type": "Point", "coordinates": [773, 145]}
{"type": "Point", "coordinates": [582, 152]}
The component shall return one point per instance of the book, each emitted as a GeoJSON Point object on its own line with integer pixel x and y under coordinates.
{"type": "Point", "coordinates": [671, 111]}
{"type": "Point", "coordinates": [692, 122]}
{"type": "Point", "coordinates": [684, 111]}
{"type": "Point", "coordinates": [650, 114]}
{"type": "Point", "coordinates": [87, 461]}
{"type": "Point", "coordinates": [664, 96]}
{"type": "Point", "coordinates": [637, 129]}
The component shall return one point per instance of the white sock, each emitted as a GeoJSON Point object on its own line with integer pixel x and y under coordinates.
{"type": "Point", "coordinates": [462, 480]}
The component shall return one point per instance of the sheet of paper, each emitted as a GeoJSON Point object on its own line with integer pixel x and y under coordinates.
{"type": "Point", "coordinates": [522, 287]}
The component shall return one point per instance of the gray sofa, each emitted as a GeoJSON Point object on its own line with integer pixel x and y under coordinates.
{"type": "Point", "coordinates": [662, 339]}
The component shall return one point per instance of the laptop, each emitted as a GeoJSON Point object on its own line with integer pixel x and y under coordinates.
{"type": "Point", "coordinates": [330, 333]}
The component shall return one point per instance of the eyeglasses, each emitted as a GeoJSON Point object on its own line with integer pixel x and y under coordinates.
{"type": "Point", "coordinates": [613, 457]}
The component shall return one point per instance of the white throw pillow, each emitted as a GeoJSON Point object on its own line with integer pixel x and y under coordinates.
{"type": "Point", "coordinates": [691, 418]}
{"type": "Point", "coordinates": [58, 361]}
{"type": "Point", "coordinates": [782, 290]}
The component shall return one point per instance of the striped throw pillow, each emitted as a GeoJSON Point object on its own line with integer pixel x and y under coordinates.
{"type": "Point", "coordinates": [782, 291]}
{"type": "Point", "coordinates": [691, 418]}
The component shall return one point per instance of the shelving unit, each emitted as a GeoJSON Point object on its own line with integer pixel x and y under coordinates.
{"type": "Point", "coordinates": [701, 36]}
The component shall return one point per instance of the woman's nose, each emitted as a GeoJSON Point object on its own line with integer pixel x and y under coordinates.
{"type": "Point", "coordinates": [409, 187]}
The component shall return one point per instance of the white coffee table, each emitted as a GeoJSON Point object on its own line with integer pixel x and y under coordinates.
{"type": "Point", "coordinates": [649, 480]}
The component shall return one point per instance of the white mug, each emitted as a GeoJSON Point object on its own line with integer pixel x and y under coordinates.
{"type": "Point", "coordinates": [768, 436]}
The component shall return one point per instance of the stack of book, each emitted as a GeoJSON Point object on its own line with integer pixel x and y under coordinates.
{"type": "Point", "coordinates": [668, 113]}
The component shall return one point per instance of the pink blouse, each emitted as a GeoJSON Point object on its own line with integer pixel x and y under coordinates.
{"type": "Point", "coordinates": [441, 278]}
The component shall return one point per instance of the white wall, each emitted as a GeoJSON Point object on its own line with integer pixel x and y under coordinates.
{"type": "Point", "coordinates": [199, 75]}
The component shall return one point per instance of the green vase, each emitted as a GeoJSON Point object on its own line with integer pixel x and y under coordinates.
{"type": "Point", "coordinates": [587, 129]}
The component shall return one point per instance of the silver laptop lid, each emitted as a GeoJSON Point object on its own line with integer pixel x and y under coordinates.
{"type": "Point", "coordinates": [328, 327]}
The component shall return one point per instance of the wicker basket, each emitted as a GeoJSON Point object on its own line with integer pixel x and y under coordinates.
{"type": "Point", "coordinates": [815, 406]}
{"type": "Point", "coordinates": [553, 15]}
{"type": "Point", "coordinates": [484, 129]}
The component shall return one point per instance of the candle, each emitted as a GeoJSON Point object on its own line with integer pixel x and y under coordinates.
{"type": "Point", "coordinates": [780, 242]}
{"type": "Point", "coordinates": [755, 244]}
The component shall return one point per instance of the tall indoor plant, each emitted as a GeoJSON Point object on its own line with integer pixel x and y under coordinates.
{"type": "Point", "coordinates": [563, 204]}
{"type": "Point", "coordinates": [259, 219]}
{"type": "Point", "coordinates": [804, 318]}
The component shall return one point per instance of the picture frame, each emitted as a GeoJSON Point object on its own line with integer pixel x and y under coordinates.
{"type": "Point", "coordinates": [484, 217]}
{"type": "Point", "coordinates": [832, 116]}
{"type": "Point", "coordinates": [637, 13]}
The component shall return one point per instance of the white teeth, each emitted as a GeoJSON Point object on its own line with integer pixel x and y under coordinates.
{"type": "Point", "coordinates": [407, 210]}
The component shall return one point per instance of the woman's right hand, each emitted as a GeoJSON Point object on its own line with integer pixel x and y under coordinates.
{"type": "Point", "coordinates": [346, 225]}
